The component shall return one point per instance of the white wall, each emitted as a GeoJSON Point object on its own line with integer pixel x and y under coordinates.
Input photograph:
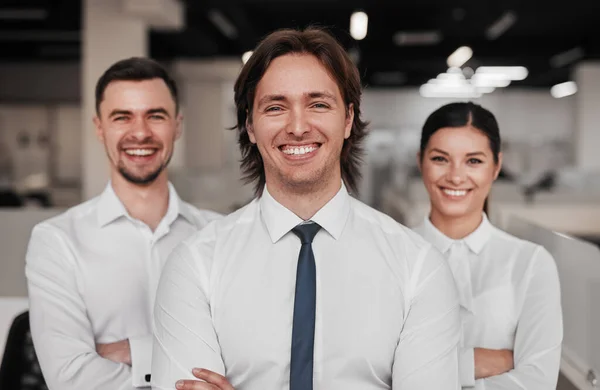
{"type": "Point", "coordinates": [587, 134]}
{"type": "Point", "coordinates": [521, 113]}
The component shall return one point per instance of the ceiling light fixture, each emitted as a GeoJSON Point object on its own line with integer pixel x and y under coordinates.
{"type": "Point", "coordinates": [563, 89]}
{"type": "Point", "coordinates": [417, 38]}
{"type": "Point", "coordinates": [566, 57]}
{"type": "Point", "coordinates": [515, 73]}
{"type": "Point", "coordinates": [359, 23]}
{"type": "Point", "coordinates": [501, 25]}
{"type": "Point", "coordinates": [451, 84]}
{"type": "Point", "coordinates": [246, 56]}
{"type": "Point", "coordinates": [459, 57]}
{"type": "Point", "coordinates": [222, 23]}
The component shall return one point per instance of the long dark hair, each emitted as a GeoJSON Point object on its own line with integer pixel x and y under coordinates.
{"type": "Point", "coordinates": [333, 57]}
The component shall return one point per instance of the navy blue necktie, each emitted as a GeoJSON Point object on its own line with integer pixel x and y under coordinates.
{"type": "Point", "coordinates": [303, 331]}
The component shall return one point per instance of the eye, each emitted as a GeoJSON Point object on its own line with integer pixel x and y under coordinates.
{"type": "Point", "coordinates": [157, 117]}
{"type": "Point", "coordinates": [474, 161]}
{"type": "Point", "coordinates": [320, 105]}
{"type": "Point", "coordinates": [273, 109]}
{"type": "Point", "coordinates": [121, 118]}
{"type": "Point", "coordinates": [438, 159]}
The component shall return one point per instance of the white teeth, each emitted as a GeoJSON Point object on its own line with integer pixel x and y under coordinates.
{"type": "Point", "coordinates": [299, 150]}
{"type": "Point", "coordinates": [455, 192]}
{"type": "Point", "coordinates": [139, 152]}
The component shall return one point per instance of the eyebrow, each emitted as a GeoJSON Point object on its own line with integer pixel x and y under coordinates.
{"type": "Point", "coordinates": [447, 154]}
{"type": "Point", "coordinates": [270, 98]}
{"type": "Point", "coordinates": [476, 154]}
{"type": "Point", "coordinates": [321, 95]}
{"type": "Point", "coordinates": [310, 95]}
{"type": "Point", "coordinates": [158, 110]}
{"type": "Point", "coordinates": [436, 150]}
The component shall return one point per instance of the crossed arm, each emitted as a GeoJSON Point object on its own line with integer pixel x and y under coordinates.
{"type": "Point", "coordinates": [61, 330]}
{"type": "Point", "coordinates": [536, 361]}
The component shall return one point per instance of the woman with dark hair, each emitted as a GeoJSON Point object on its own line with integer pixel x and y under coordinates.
{"type": "Point", "coordinates": [508, 288]}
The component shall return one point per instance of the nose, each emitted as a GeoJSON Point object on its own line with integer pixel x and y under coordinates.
{"type": "Point", "coordinates": [456, 174]}
{"type": "Point", "coordinates": [141, 130]}
{"type": "Point", "coordinates": [298, 125]}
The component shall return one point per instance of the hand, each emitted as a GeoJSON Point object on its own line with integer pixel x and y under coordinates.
{"type": "Point", "coordinates": [211, 381]}
{"type": "Point", "coordinates": [492, 362]}
{"type": "Point", "coordinates": [118, 352]}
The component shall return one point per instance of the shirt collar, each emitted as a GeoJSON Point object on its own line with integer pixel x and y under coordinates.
{"type": "Point", "coordinates": [279, 220]}
{"type": "Point", "coordinates": [477, 240]}
{"type": "Point", "coordinates": [110, 207]}
{"type": "Point", "coordinates": [474, 241]}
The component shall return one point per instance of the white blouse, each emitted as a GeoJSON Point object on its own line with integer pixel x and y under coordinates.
{"type": "Point", "coordinates": [510, 298]}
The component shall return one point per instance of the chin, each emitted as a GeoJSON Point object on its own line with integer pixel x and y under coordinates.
{"type": "Point", "coordinates": [454, 211]}
{"type": "Point", "coordinates": [141, 178]}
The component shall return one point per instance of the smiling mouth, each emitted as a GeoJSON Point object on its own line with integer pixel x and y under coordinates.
{"type": "Point", "coordinates": [299, 150]}
{"type": "Point", "coordinates": [140, 152]}
{"type": "Point", "coordinates": [455, 193]}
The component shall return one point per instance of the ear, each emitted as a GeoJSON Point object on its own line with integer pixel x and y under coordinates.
{"type": "Point", "coordinates": [99, 130]}
{"type": "Point", "coordinates": [498, 166]}
{"type": "Point", "coordinates": [178, 126]}
{"type": "Point", "coordinates": [250, 129]}
{"type": "Point", "coordinates": [349, 121]}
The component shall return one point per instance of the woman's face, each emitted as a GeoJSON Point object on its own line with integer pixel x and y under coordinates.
{"type": "Point", "coordinates": [458, 170]}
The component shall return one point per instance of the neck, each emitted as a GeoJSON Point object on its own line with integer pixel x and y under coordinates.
{"type": "Point", "coordinates": [305, 203]}
{"type": "Point", "coordinates": [147, 203]}
{"type": "Point", "coordinates": [455, 227]}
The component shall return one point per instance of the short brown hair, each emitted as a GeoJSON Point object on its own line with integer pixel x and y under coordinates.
{"type": "Point", "coordinates": [134, 69]}
{"type": "Point", "coordinates": [333, 57]}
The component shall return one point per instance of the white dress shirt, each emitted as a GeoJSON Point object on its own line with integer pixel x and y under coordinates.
{"type": "Point", "coordinates": [387, 313]}
{"type": "Point", "coordinates": [92, 275]}
{"type": "Point", "coordinates": [510, 296]}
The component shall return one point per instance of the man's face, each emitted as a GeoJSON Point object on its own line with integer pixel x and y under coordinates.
{"type": "Point", "coordinates": [299, 123]}
{"type": "Point", "coordinates": [138, 125]}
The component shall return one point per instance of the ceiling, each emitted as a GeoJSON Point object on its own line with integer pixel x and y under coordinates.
{"type": "Point", "coordinates": [546, 37]}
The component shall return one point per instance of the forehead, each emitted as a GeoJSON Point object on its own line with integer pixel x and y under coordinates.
{"type": "Point", "coordinates": [137, 95]}
{"type": "Point", "coordinates": [295, 75]}
{"type": "Point", "coordinates": [465, 139]}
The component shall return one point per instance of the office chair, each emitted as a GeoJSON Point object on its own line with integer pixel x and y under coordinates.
{"type": "Point", "coordinates": [20, 369]}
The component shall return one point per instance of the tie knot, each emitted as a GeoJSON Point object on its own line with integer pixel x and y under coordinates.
{"type": "Point", "coordinates": [306, 232]}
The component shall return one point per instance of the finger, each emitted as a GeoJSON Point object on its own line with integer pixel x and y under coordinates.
{"type": "Point", "coordinates": [212, 377]}
{"type": "Point", "coordinates": [194, 385]}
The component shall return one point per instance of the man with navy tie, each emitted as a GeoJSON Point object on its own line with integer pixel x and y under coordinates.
{"type": "Point", "coordinates": [305, 287]}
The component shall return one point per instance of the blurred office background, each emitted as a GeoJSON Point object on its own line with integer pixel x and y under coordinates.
{"type": "Point", "coordinates": [535, 65]}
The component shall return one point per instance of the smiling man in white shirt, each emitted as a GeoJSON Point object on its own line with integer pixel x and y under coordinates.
{"type": "Point", "coordinates": [93, 271]}
{"type": "Point", "coordinates": [306, 287]}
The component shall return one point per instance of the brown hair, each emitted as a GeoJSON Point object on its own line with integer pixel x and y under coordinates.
{"type": "Point", "coordinates": [333, 57]}
{"type": "Point", "coordinates": [134, 69]}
